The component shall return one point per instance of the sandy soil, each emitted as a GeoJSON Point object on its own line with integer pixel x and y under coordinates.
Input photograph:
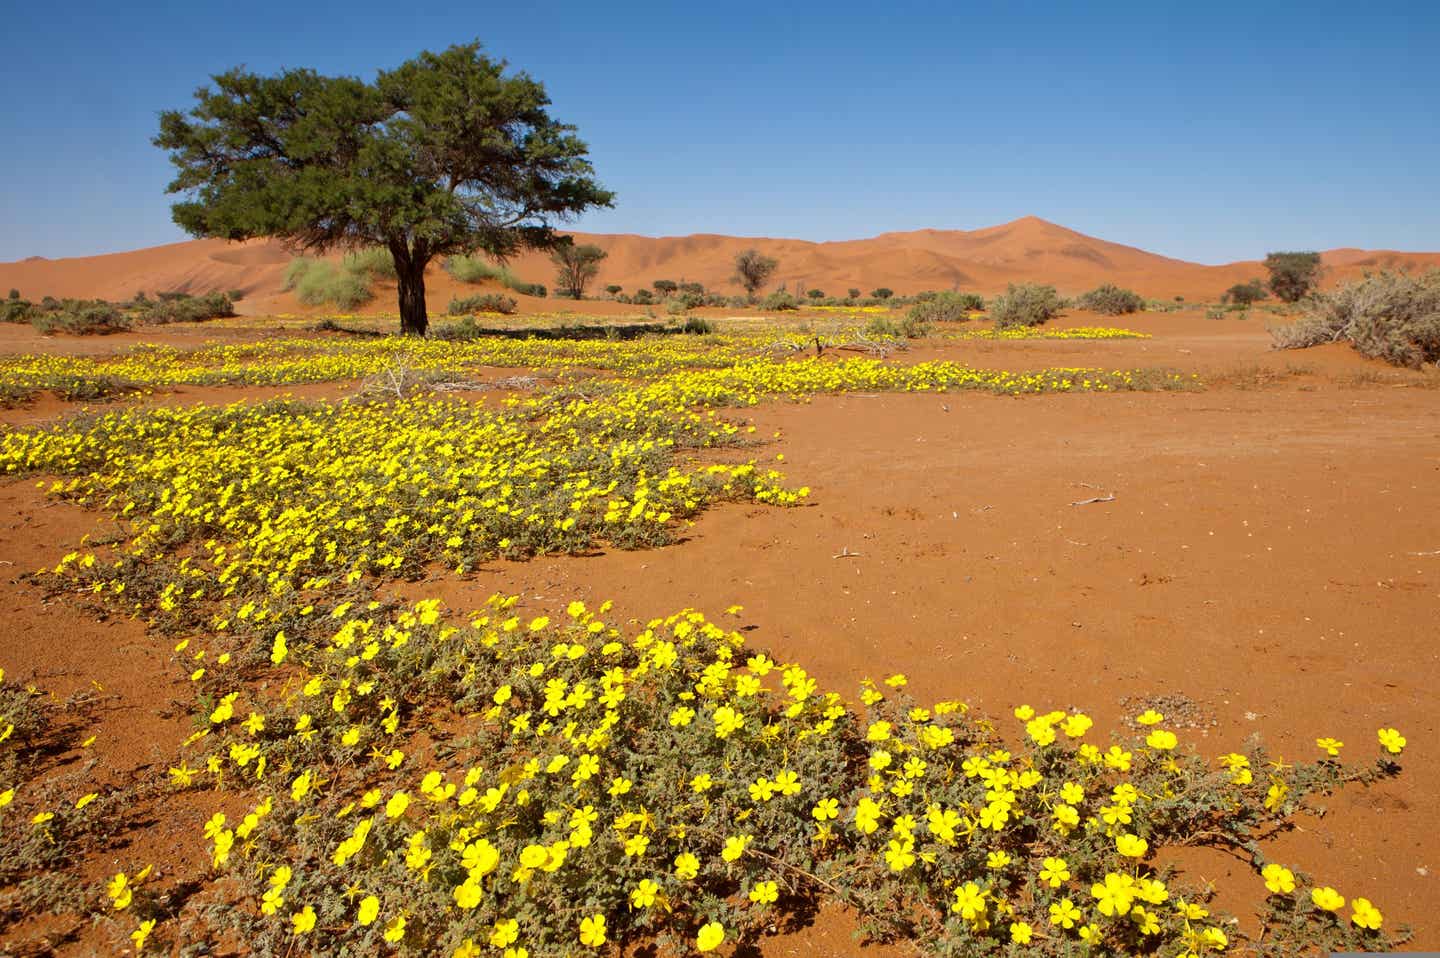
{"type": "Point", "coordinates": [1270, 563]}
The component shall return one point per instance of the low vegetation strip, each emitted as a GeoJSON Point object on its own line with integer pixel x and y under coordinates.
{"type": "Point", "coordinates": [416, 780]}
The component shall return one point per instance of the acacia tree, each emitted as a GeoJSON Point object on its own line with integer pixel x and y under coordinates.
{"type": "Point", "coordinates": [446, 154]}
{"type": "Point", "coordinates": [1292, 275]}
{"type": "Point", "coordinates": [575, 267]}
{"type": "Point", "coordinates": [752, 269]}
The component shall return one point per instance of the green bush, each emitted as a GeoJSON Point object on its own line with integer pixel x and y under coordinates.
{"type": "Point", "coordinates": [482, 303]}
{"type": "Point", "coordinates": [474, 269]}
{"type": "Point", "coordinates": [1111, 300]}
{"type": "Point", "coordinates": [1389, 316]}
{"type": "Point", "coordinates": [778, 301]}
{"type": "Point", "coordinates": [944, 308]}
{"type": "Point", "coordinates": [375, 262]}
{"type": "Point", "coordinates": [911, 327]}
{"type": "Point", "coordinates": [1028, 304]}
{"type": "Point", "coordinates": [317, 282]}
{"type": "Point", "coordinates": [15, 310]}
{"type": "Point", "coordinates": [696, 325]}
{"type": "Point", "coordinates": [1293, 275]}
{"type": "Point", "coordinates": [185, 309]}
{"type": "Point", "coordinates": [883, 292]}
{"type": "Point", "coordinates": [675, 307]}
{"type": "Point", "coordinates": [81, 318]}
{"type": "Point", "coordinates": [1245, 293]}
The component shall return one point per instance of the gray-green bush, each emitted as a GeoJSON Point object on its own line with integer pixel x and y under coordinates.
{"type": "Point", "coordinates": [317, 282]}
{"type": "Point", "coordinates": [945, 308]}
{"type": "Point", "coordinates": [475, 269]}
{"type": "Point", "coordinates": [1026, 304]}
{"type": "Point", "coordinates": [1386, 315]}
{"type": "Point", "coordinates": [482, 303]}
{"type": "Point", "coordinates": [1111, 300]}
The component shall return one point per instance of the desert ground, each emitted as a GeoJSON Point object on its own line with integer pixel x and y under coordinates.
{"type": "Point", "coordinates": [1255, 554]}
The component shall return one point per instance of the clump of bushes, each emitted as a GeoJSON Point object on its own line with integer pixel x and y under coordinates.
{"type": "Point", "coordinates": [1028, 304]}
{"type": "Point", "coordinates": [475, 269]}
{"type": "Point", "coordinates": [944, 308]}
{"type": "Point", "coordinates": [697, 326]}
{"type": "Point", "coordinates": [1387, 315]}
{"type": "Point", "coordinates": [14, 309]}
{"type": "Point", "coordinates": [1243, 294]}
{"type": "Point", "coordinates": [778, 301]}
{"type": "Point", "coordinates": [482, 303]}
{"type": "Point", "coordinates": [317, 282]}
{"type": "Point", "coordinates": [79, 317]}
{"type": "Point", "coordinates": [910, 327]}
{"type": "Point", "coordinates": [375, 262]}
{"type": "Point", "coordinates": [1111, 300]}
{"type": "Point", "coordinates": [184, 308]}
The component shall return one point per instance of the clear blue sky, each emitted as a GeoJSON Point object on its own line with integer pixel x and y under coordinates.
{"type": "Point", "coordinates": [1205, 131]}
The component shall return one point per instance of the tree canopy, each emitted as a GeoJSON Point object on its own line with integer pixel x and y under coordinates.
{"type": "Point", "coordinates": [575, 267]}
{"type": "Point", "coordinates": [752, 269]}
{"type": "Point", "coordinates": [445, 154]}
{"type": "Point", "coordinates": [1292, 275]}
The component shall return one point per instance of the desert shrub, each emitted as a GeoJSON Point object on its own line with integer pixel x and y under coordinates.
{"type": "Point", "coordinates": [643, 297]}
{"type": "Point", "coordinates": [317, 282]}
{"type": "Point", "coordinates": [1386, 315]}
{"type": "Point", "coordinates": [675, 307]}
{"type": "Point", "coordinates": [779, 300]}
{"type": "Point", "coordinates": [186, 309]}
{"type": "Point", "coordinates": [1293, 275]}
{"type": "Point", "coordinates": [482, 303]}
{"type": "Point", "coordinates": [474, 269]}
{"type": "Point", "coordinates": [697, 325]}
{"type": "Point", "coordinates": [664, 287]}
{"type": "Point", "coordinates": [943, 308]}
{"type": "Point", "coordinates": [375, 262]}
{"type": "Point", "coordinates": [81, 318]}
{"type": "Point", "coordinates": [815, 293]}
{"type": "Point", "coordinates": [14, 293]}
{"type": "Point", "coordinates": [1111, 300]}
{"type": "Point", "coordinates": [1028, 304]}
{"type": "Point", "coordinates": [613, 290]}
{"type": "Point", "coordinates": [909, 327]}
{"type": "Point", "coordinates": [1245, 293]}
{"type": "Point", "coordinates": [883, 292]}
{"type": "Point", "coordinates": [235, 295]}
{"type": "Point", "coordinates": [15, 310]}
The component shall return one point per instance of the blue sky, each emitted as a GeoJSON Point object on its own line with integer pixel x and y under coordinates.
{"type": "Point", "coordinates": [1204, 131]}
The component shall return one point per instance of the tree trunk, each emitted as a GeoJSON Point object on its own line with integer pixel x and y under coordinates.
{"type": "Point", "coordinates": [410, 276]}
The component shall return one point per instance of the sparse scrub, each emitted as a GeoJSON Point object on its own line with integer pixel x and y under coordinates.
{"type": "Point", "coordinates": [317, 282]}
{"type": "Point", "coordinates": [1293, 275]}
{"type": "Point", "coordinates": [186, 309]}
{"type": "Point", "coordinates": [475, 269]}
{"type": "Point", "coordinates": [80, 318]}
{"type": "Point", "coordinates": [1027, 304]}
{"type": "Point", "coordinates": [779, 301]}
{"type": "Point", "coordinates": [1111, 300]}
{"type": "Point", "coordinates": [1386, 315]}
{"type": "Point", "coordinates": [753, 269]}
{"type": "Point", "coordinates": [944, 308]}
{"type": "Point", "coordinates": [482, 303]}
{"type": "Point", "coordinates": [1244, 294]}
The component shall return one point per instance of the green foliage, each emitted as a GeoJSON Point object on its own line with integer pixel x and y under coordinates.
{"type": "Point", "coordinates": [882, 292]}
{"type": "Point", "coordinates": [945, 307]}
{"type": "Point", "coordinates": [778, 301]}
{"type": "Point", "coordinates": [14, 293]}
{"type": "Point", "coordinates": [852, 293]}
{"type": "Point", "coordinates": [15, 310]}
{"type": "Point", "coordinates": [1389, 316]}
{"type": "Point", "coordinates": [317, 282]}
{"type": "Point", "coordinates": [374, 262]}
{"type": "Point", "coordinates": [444, 154]}
{"type": "Point", "coordinates": [815, 293]}
{"type": "Point", "coordinates": [697, 325]}
{"type": "Point", "coordinates": [575, 267]}
{"type": "Point", "coordinates": [753, 269]}
{"type": "Point", "coordinates": [613, 289]}
{"type": "Point", "coordinates": [186, 309]}
{"type": "Point", "coordinates": [1293, 275]}
{"type": "Point", "coordinates": [1111, 300]}
{"type": "Point", "coordinates": [664, 287]}
{"type": "Point", "coordinates": [482, 303]}
{"type": "Point", "coordinates": [474, 269]}
{"type": "Point", "coordinates": [1244, 294]}
{"type": "Point", "coordinates": [913, 326]}
{"type": "Point", "coordinates": [1026, 304]}
{"type": "Point", "coordinates": [80, 318]}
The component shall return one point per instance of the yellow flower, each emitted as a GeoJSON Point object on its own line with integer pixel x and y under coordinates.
{"type": "Point", "coordinates": [1054, 871]}
{"type": "Point", "coordinates": [764, 892]}
{"type": "Point", "coordinates": [397, 804]}
{"type": "Point", "coordinates": [1065, 914]}
{"type": "Point", "coordinates": [969, 901]}
{"type": "Point", "coordinates": [1279, 879]}
{"type": "Point", "coordinates": [303, 921]}
{"type": "Point", "coordinates": [592, 931]}
{"type": "Point", "coordinates": [1161, 740]}
{"type": "Point", "coordinates": [1330, 746]}
{"type": "Point", "coordinates": [710, 936]}
{"type": "Point", "coordinates": [1366, 915]}
{"type": "Point", "coordinates": [141, 934]}
{"type": "Point", "coordinates": [395, 931]}
{"type": "Point", "coordinates": [687, 866]}
{"type": "Point", "coordinates": [504, 933]}
{"type": "Point", "coordinates": [1394, 743]}
{"type": "Point", "coordinates": [1131, 846]}
{"type": "Point", "coordinates": [1020, 932]}
{"type": "Point", "coordinates": [1150, 717]}
{"type": "Point", "coordinates": [734, 847]}
{"type": "Point", "coordinates": [369, 910]}
{"type": "Point", "coordinates": [1327, 899]}
{"type": "Point", "coordinates": [643, 895]}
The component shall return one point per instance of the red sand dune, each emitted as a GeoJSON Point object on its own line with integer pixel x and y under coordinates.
{"type": "Point", "coordinates": [983, 260]}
